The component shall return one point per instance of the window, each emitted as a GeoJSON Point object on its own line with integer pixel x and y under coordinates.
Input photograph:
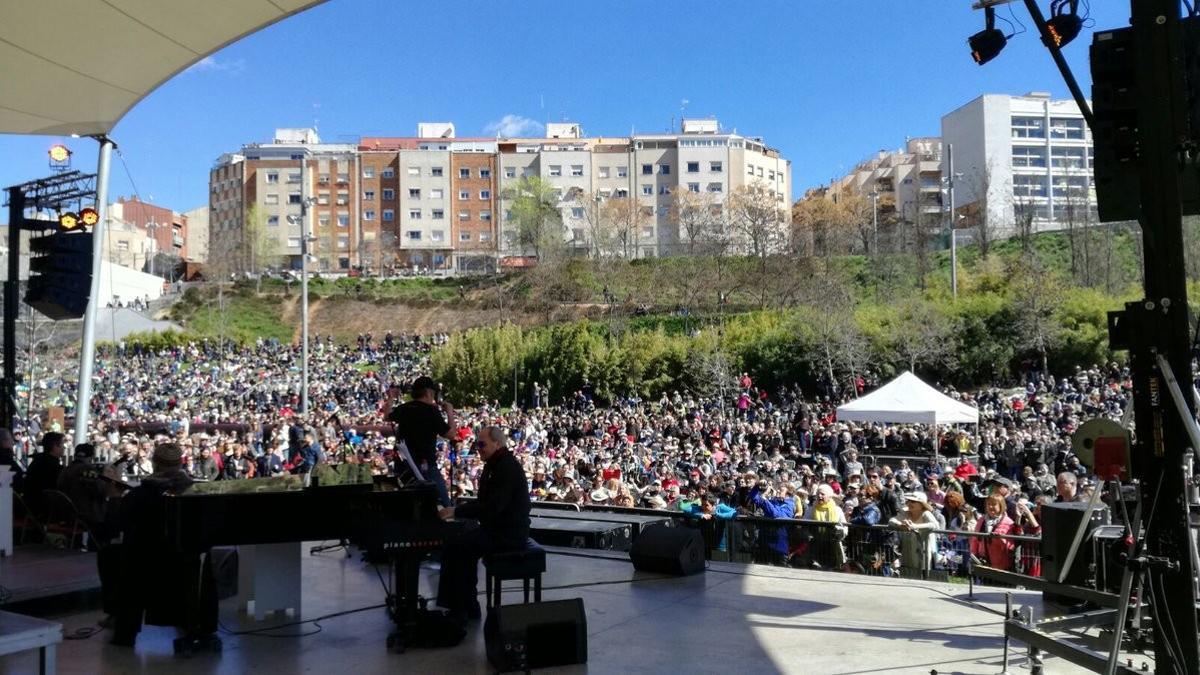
{"type": "Point", "coordinates": [555, 169]}
{"type": "Point", "coordinates": [508, 214]}
{"type": "Point", "coordinates": [344, 241]}
{"type": "Point", "coordinates": [293, 242]}
{"type": "Point", "coordinates": [323, 221]}
{"type": "Point", "coordinates": [414, 171]}
{"type": "Point", "coordinates": [694, 187]}
{"type": "Point", "coordinates": [436, 172]}
{"type": "Point", "coordinates": [464, 195]}
{"type": "Point", "coordinates": [368, 172]}
{"type": "Point", "coordinates": [343, 198]}
{"type": "Point", "coordinates": [602, 172]}
{"type": "Point", "coordinates": [272, 177]}
{"type": "Point", "coordinates": [693, 167]}
{"type": "Point", "coordinates": [388, 215]}
{"type": "Point", "coordinates": [664, 169]}
{"type": "Point", "coordinates": [622, 172]}
{"type": "Point", "coordinates": [527, 171]}
{"type": "Point", "coordinates": [1070, 186]}
{"type": "Point", "coordinates": [1029, 155]}
{"type": "Point", "coordinates": [1067, 158]}
{"type": "Point", "coordinates": [622, 192]}
{"type": "Point", "coordinates": [414, 193]}
{"type": "Point", "coordinates": [343, 220]}
{"type": "Point", "coordinates": [771, 175]}
{"type": "Point", "coordinates": [577, 170]}
{"type": "Point", "coordinates": [647, 169]}
{"type": "Point", "coordinates": [648, 190]}
{"type": "Point", "coordinates": [648, 232]}
{"type": "Point", "coordinates": [368, 195]}
{"type": "Point", "coordinates": [294, 177]}
{"type": "Point", "coordinates": [388, 172]}
{"type": "Point", "coordinates": [271, 199]}
{"type": "Point", "coordinates": [464, 215]}
{"type": "Point", "coordinates": [1029, 186]}
{"type": "Point", "coordinates": [749, 170]}
{"type": "Point", "coordinates": [760, 172]}
{"type": "Point", "coordinates": [436, 235]}
{"type": "Point", "coordinates": [716, 167]}
{"type": "Point", "coordinates": [1066, 127]}
{"type": "Point", "coordinates": [510, 172]}
{"type": "Point", "coordinates": [577, 212]}
{"type": "Point", "coordinates": [485, 215]}
{"type": "Point", "coordinates": [124, 244]}
{"type": "Point", "coordinates": [343, 178]}
{"type": "Point", "coordinates": [413, 235]}
{"type": "Point", "coordinates": [369, 214]}
{"type": "Point", "coordinates": [464, 236]}
{"type": "Point", "coordinates": [293, 197]}
{"type": "Point", "coordinates": [389, 194]}
{"type": "Point", "coordinates": [273, 221]}
{"type": "Point", "coordinates": [1028, 127]}
{"type": "Point", "coordinates": [414, 214]}
{"type": "Point", "coordinates": [665, 189]}
{"type": "Point", "coordinates": [485, 236]}
{"type": "Point", "coordinates": [436, 193]}
{"type": "Point", "coordinates": [323, 179]}
{"type": "Point", "coordinates": [464, 173]}
{"type": "Point", "coordinates": [485, 172]}
{"type": "Point", "coordinates": [438, 214]}
{"type": "Point", "coordinates": [715, 187]}
{"type": "Point", "coordinates": [485, 194]}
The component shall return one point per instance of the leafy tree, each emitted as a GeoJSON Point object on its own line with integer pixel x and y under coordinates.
{"type": "Point", "coordinates": [536, 217]}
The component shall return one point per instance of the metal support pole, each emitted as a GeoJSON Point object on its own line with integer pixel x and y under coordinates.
{"type": "Point", "coordinates": [304, 237]}
{"type": "Point", "coordinates": [874, 222]}
{"type": "Point", "coordinates": [12, 305]}
{"type": "Point", "coordinates": [87, 353]}
{"type": "Point", "coordinates": [953, 239]}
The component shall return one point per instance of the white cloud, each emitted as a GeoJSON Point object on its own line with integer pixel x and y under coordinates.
{"type": "Point", "coordinates": [514, 126]}
{"type": "Point", "coordinates": [210, 64]}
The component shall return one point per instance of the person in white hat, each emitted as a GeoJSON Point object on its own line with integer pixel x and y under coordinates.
{"type": "Point", "coordinates": [917, 541]}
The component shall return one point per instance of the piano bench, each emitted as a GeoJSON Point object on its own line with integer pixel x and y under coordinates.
{"type": "Point", "coordinates": [526, 564]}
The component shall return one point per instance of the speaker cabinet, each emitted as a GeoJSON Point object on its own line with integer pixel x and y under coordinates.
{"type": "Point", "coordinates": [1060, 521]}
{"type": "Point", "coordinates": [668, 550]}
{"type": "Point", "coordinates": [536, 635]}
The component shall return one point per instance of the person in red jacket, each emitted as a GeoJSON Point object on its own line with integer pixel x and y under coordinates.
{"type": "Point", "coordinates": [965, 469]}
{"type": "Point", "coordinates": [995, 551]}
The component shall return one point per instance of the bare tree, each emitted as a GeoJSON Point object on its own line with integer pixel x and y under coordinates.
{"type": "Point", "coordinates": [986, 231]}
{"type": "Point", "coordinates": [694, 214]}
{"type": "Point", "coordinates": [1036, 303]}
{"type": "Point", "coordinates": [760, 223]}
{"type": "Point", "coordinates": [922, 335]}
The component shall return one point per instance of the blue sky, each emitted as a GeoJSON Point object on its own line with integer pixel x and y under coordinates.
{"type": "Point", "coordinates": [827, 82]}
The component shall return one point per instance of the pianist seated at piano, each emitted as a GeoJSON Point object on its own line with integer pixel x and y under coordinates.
{"type": "Point", "coordinates": [502, 509]}
{"type": "Point", "coordinates": [157, 584]}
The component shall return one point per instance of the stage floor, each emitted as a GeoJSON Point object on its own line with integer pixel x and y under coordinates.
{"type": "Point", "coordinates": [733, 619]}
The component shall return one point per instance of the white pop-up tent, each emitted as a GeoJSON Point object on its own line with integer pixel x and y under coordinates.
{"type": "Point", "coordinates": [907, 400]}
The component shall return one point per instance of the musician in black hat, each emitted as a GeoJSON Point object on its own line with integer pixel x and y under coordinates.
{"type": "Point", "coordinates": [419, 422]}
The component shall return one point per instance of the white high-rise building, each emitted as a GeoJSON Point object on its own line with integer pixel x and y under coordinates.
{"type": "Point", "coordinates": [1021, 159]}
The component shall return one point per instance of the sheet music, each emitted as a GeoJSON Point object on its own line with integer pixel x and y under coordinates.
{"type": "Point", "coordinates": [402, 450]}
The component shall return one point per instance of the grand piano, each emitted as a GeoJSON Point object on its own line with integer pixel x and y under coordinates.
{"type": "Point", "coordinates": [270, 526]}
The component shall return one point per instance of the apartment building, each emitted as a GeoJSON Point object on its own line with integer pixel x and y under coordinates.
{"type": "Point", "coordinates": [196, 236]}
{"type": "Point", "coordinates": [1025, 158]}
{"type": "Point", "coordinates": [436, 201]}
{"type": "Point", "coordinates": [906, 182]}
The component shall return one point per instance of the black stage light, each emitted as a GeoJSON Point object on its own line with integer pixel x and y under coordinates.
{"type": "Point", "coordinates": [1063, 28]}
{"type": "Point", "coordinates": [987, 43]}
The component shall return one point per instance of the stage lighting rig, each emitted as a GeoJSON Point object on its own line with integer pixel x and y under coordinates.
{"type": "Point", "coordinates": [987, 43]}
{"type": "Point", "coordinates": [1063, 25]}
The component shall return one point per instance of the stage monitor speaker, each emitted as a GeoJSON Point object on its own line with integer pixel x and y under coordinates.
{"type": "Point", "coordinates": [1059, 522]}
{"type": "Point", "coordinates": [536, 635]}
{"type": "Point", "coordinates": [668, 550]}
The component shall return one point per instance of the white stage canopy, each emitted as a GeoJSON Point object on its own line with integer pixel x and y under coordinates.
{"type": "Point", "coordinates": [907, 400]}
{"type": "Point", "coordinates": [77, 66]}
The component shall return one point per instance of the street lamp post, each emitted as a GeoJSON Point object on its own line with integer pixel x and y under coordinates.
{"type": "Point", "coordinates": [875, 221]}
{"type": "Point", "coordinates": [953, 238]}
{"type": "Point", "coordinates": [152, 228]}
{"type": "Point", "coordinates": [305, 238]}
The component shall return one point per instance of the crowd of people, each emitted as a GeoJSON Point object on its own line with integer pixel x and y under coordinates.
{"type": "Point", "coordinates": [234, 412]}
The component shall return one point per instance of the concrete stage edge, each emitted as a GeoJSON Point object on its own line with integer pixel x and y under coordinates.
{"type": "Point", "coordinates": [733, 618]}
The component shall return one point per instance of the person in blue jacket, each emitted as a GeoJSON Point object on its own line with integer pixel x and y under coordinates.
{"type": "Point", "coordinates": [708, 509]}
{"type": "Point", "coordinates": [774, 506]}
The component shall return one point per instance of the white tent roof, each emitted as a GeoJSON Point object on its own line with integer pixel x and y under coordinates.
{"type": "Point", "coordinates": [907, 400]}
{"type": "Point", "coordinates": [77, 66]}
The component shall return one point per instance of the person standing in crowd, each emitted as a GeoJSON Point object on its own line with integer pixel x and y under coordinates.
{"type": "Point", "coordinates": [419, 423]}
{"type": "Point", "coordinates": [502, 509]}
{"type": "Point", "coordinates": [995, 551]}
{"type": "Point", "coordinates": [918, 542]}
{"type": "Point", "coordinates": [1068, 488]}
